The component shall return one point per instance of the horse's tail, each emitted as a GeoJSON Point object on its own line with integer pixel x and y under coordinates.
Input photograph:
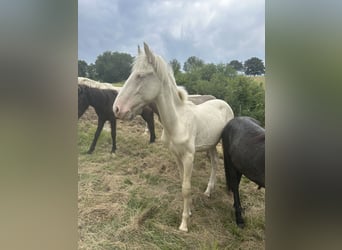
{"type": "Point", "coordinates": [182, 93]}
{"type": "Point", "coordinates": [226, 158]}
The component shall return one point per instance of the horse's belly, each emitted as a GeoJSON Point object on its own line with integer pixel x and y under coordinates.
{"type": "Point", "coordinates": [208, 137]}
{"type": "Point", "coordinates": [208, 133]}
{"type": "Point", "coordinates": [211, 118]}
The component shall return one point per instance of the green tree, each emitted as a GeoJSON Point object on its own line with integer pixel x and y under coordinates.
{"type": "Point", "coordinates": [242, 93]}
{"type": "Point", "coordinates": [176, 66]}
{"type": "Point", "coordinates": [217, 85]}
{"type": "Point", "coordinates": [238, 66]}
{"type": "Point", "coordinates": [82, 68]}
{"type": "Point", "coordinates": [207, 71]}
{"type": "Point", "coordinates": [92, 71]}
{"type": "Point", "coordinates": [113, 66]}
{"type": "Point", "coordinates": [188, 80]}
{"type": "Point", "coordinates": [246, 97]}
{"type": "Point", "coordinates": [192, 63]}
{"type": "Point", "coordinates": [254, 66]}
{"type": "Point", "coordinates": [227, 70]}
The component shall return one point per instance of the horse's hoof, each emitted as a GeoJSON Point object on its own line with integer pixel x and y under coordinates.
{"type": "Point", "coordinates": [183, 229]}
{"type": "Point", "coordinates": [241, 225]}
{"type": "Point", "coordinates": [89, 152]}
{"type": "Point", "coordinates": [207, 193]}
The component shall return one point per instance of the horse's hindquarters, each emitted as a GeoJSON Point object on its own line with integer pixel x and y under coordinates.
{"type": "Point", "coordinates": [211, 118]}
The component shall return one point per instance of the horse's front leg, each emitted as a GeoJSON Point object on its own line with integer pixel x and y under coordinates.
{"type": "Point", "coordinates": [213, 159]}
{"type": "Point", "coordinates": [100, 124]}
{"type": "Point", "coordinates": [187, 161]}
{"type": "Point", "coordinates": [113, 133]}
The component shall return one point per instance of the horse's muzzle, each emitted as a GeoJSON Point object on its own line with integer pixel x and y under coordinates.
{"type": "Point", "coordinates": [122, 114]}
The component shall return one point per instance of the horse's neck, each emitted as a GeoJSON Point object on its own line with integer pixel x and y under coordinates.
{"type": "Point", "coordinates": [92, 98]}
{"type": "Point", "coordinates": [168, 103]}
{"type": "Point", "coordinates": [83, 110]}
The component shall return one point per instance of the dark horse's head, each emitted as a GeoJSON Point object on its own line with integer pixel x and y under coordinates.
{"type": "Point", "coordinates": [83, 102]}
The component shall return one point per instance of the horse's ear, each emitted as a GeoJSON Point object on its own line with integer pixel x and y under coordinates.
{"type": "Point", "coordinates": [149, 54]}
{"type": "Point", "coordinates": [139, 51]}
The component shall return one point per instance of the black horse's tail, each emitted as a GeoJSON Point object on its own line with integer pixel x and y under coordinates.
{"type": "Point", "coordinates": [227, 161]}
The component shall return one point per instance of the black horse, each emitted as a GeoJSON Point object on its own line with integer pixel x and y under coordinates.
{"type": "Point", "coordinates": [243, 141]}
{"type": "Point", "coordinates": [102, 100]}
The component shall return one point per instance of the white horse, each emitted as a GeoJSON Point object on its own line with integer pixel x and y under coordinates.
{"type": "Point", "coordinates": [187, 127]}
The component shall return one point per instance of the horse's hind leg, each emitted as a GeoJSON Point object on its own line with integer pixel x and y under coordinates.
{"type": "Point", "coordinates": [147, 115]}
{"type": "Point", "coordinates": [233, 178]}
{"type": "Point", "coordinates": [236, 177]}
{"type": "Point", "coordinates": [213, 159]}
{"type": "Point", "coordinates": [113, 133]}
{"type": "Point", "coordinates": [100, 124]}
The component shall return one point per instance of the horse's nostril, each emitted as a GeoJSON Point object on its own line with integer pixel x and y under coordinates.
{"type": "Point", "coordinates": [116, 110]}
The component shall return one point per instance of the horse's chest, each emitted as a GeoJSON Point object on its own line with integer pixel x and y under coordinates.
{"type": "Point", "coordinates": [176, 146]}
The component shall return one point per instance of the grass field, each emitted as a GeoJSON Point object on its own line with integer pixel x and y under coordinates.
{"type": "Point", "coordinates": [132, 200]}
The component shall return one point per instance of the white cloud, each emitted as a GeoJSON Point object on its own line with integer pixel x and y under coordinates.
{"type": "Point", "coordinates": [216, 31]}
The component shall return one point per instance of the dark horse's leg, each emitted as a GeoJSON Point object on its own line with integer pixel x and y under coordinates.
{"type": "Point", "coordinates": [113, 132]}
{"type": "Point", "coordinates": [147, 115]}
{"type": "Point", "coordinates": [100, 123]}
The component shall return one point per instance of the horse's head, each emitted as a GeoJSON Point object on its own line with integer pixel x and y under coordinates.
{"type": "Point", "coordinates": [141, 87]}
{"type": "Point", "coordinates": [83, 102]}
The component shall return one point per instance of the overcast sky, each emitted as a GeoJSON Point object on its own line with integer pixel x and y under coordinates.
{"type": "Point", "coordinates": [216, 31]}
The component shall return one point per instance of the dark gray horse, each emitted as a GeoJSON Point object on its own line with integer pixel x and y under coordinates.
{"type": "Point", "coordinates": [243, 142]}
{"type": "Point", "coordinates": [102, 99]}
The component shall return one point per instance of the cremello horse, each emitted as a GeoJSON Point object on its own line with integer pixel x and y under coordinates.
{"type": "Point", "coordinates": [186, 127]}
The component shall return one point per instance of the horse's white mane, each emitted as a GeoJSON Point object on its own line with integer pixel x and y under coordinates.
{"type": "Point", "coordinates": [182, 93]}
{"type": "Point", "coordinates": [94, 84]}
{"type": "Point", "coordinates": [162, 69]}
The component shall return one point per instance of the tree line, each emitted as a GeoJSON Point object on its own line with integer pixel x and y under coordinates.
{"type": "Point", "coordinates": [243, 93]}
{"type": "Point", "coordinates": [230, 81]}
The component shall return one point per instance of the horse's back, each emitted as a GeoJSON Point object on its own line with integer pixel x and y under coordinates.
{"type": "Point", "coordinates": [218, 108]}
{"type": "Point", "coordinates": [244, 127]}
{"type": "Point", "coordinates": [198, 99]}
{"type": "Point", "coordinates": [243, 140]}
{"type": "Point", "coordinates": [102, 101]}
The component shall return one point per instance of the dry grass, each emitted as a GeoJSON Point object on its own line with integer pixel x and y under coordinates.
{"type": "Point", "coordinates": [133, 200]}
